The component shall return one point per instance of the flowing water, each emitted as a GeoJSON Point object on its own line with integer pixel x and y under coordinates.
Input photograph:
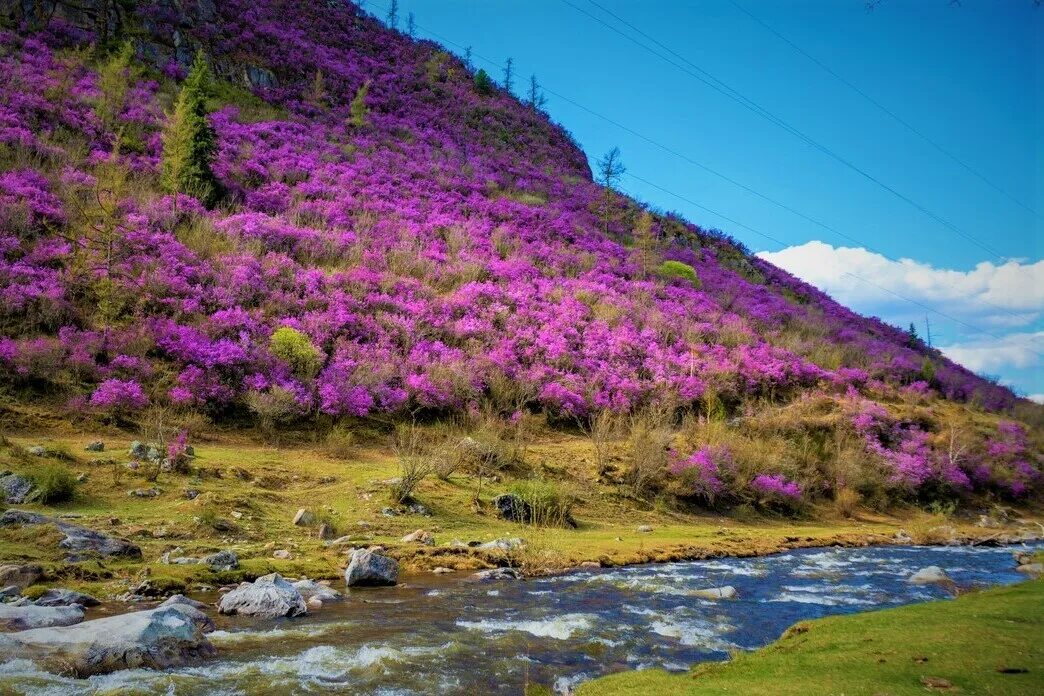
{"type": "Point", "coordinates": [440, 635]}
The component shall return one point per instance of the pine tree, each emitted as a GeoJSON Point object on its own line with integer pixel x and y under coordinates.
{"type": "Point", "coordinates": [360, 113]}
{"type": "Point", "coordinates": [393, 14]}
{"type": "Point", "coordinates": [411, 25]}
{"type": "Point", "coordinates": [610, 169]}
{"type": "Point", "coordinates": [316, 92]}
{"type": "Point", "coordinates": [189, 142]}
{"type": "Point", "coordinates": [483, 83]}
{"type": "Point", "coordinates": [537, 100]}
{"type": "Point", "coordinates": [509, 74]}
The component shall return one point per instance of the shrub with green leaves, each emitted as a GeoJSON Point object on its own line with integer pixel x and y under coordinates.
{"type": "Point", "coordinates": [54, 484]}
{"type": "Point", "coordinates": [296, 350]}
{"type": "Point", "coordinates": [360, 112]}
{"type": "Point", "coordinates": [551, 504]}
{"type": "Point", "coordinates": [677, 269]}
{"type": "Point", "coordinates": [483, 83]}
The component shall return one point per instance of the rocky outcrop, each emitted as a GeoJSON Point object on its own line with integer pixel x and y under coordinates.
{"type": "Point", "coordinates": [268, 597]}
{"type": "Point", "coordinates": [21, 576]}
{"type": "Point", "coordinates": [61, 597]}
{"type": "Point", "coordinates": [80, 541]}
{"type": "Point", "coordinates": [155, 639]}
{"type": "Point", "coordinates": [370, 568]}
{"type": "Point", "coordinates": [28, 616]}
{"type": "Point", "coordinates": [14, 489]}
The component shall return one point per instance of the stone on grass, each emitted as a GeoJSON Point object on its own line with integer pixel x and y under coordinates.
{"type": "Point", "coordinates": [268, 597]}
{"type": "Point", "coordinates": [95, 446]}
{"type": "Point", "coordinates": [222, 560]}
{"type": "Point", "coordinates": [79, 540]}
{"type": "Point", "coordinates": [420, 536]}
{"type": "Point", "coordinates": [513, 508]}
{"type": "Point", "coordinates": [281, 554]}
{"type": "Point", "coordinates": [62, 597]}
{"type": "Point", "coordinates": [928, 576]}
{"type": "Point", "coordinates": [21, 576]}
{"type": "Point", "coordinates": [370, 568]}
{"type": "Point", "coordinates": [14, 489]}
{"type": "Point", "coordinates": [507, 544]}
{"type": "Point", "coordinates": [37, 450]}
{"type": "Point", "coordinates": [644, 529]}
{"type": "Point", "coordinates": [29, 616]}
{"type": "Point", "coordinates": [303, 518]}
{"type": "Point", "coordinates": [154, 639]}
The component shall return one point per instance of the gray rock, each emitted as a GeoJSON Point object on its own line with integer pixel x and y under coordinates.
{"type": "Point", "coordinates": [644, 529]}
{"type": "Point", "coordinates": [222, 560]}
{"type": "Point", "coordinates": [96, 446]}
{"type": "Point", "coordinates": [420, 536]}
{"type": "Point", "coordinates": [369, 568]}
{"type": "Point", "coordinates": [20, 618]}
{"type": "Point", "coordinates": [79, 540]}
{"type": "Point", "coordinates": [496, 574]}
{"type": "Point", "coordinates": [154, 639]}
{"type": "Point", "coordinates": [928, 576]}
{"type": "Point", "coordinates": [508, 544]}
{"type": "Point", "coordinates": [1034, 570]}
{"type": "Point", "coordinates": [513, 508]}
{"type": "Point", "coordinates": [21, 576]}
{"type": "Point", "coordinates": [10, 592]}
{"type": "Point", "coordinates": [182, 599]}
{"type": "Point", "coordinates": [61, 597]}
{"type": "Point", "coordinates": [723, 592]}
{"type": "Point", "coordinates": [138, 450]}
{"type": "Point", "coordinates": [282, 554]}
{"type": "Point", "coordinates": [15, 489]}
{"type": "Point", "coordinates": [144, 492]}
{"type": "Point", "coordinates": [268, 597]}
{"type": "Point", "coordinates": [37, 450]}
{"type": "Point", "coordinates": [389, 512]}
{"type": "Point", "coordinates": [325, 532]}
{"type": "Point", "coordinates": [418, 509]}
{"type": "Point", "coordinates": [303, 518]}
{"type": "Point", "coordinates": [191, 493]}
{"type": "Point", "coordinates": [153, 453]}
{"type": "Point", "coordinates": [257, 76]}
{"type": "Point", "coordinates": [310, 589]}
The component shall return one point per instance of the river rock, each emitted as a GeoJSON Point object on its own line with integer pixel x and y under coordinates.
{"type": "Point", "coordinates": [14, 489]}
{"type": "Point", "coordinates": [29, 616]}
{"type": "Point", "coordinates": [496, 574]}
{"type": "Point", "coordinates": [723, 592]}
{"type": "Point", "coordinates": [77, 539]}
{"type": "Point", "coordinates": [303, 518]}
{"type": "Point", "coordinates": [95, 446]}
{"type": "Point", "coordinates": [21, 576]}
{"type": "Point", "coordinates": [61, 597]}
{"type": "Point", "coordinates": [222, 560]}
{"type": "Point", "coordinates": [928, 576]}
{"type": "Point", "coordinates": [154, 639]}
{"type": "Point", "coordinates": [513, 508]}
{"type": "Point", "coordinates": [420, 536]}
{"type": "Point", "coordinates": [1034, 570]}
{"type": "Point", "coordinates": [10, 592]}
{"type": "Point", "coordinates": [507, 544]}
{"type": "Point", "coordinates": [441, 570]}
{"type": "Point", "coordinates": [370, 568]}
{"type": "Point", "coordinates": [310, 589]}
{"type": "Point", "coordinates": [268, 597]}
{"type": "Point", "coordinates": [183, 600]}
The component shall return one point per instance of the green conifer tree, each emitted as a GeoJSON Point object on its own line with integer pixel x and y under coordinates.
{"type": "Point", "coordinates": [359, 111]}
{"type": "Point", "coordinates": [189, 142]}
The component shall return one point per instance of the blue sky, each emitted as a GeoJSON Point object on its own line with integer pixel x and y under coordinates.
{"type": "Point", "coordinates": [970, 78]}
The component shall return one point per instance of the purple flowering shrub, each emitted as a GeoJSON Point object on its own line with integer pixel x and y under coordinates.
{"type": "Point", "coordinates": [409, 265]}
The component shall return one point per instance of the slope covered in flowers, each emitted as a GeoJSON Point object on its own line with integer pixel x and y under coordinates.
{"type": "Point", "coordinates": [447, 252]}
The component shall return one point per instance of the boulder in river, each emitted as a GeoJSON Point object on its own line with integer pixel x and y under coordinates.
{"type": "Point", "coordinates": [61, 597]}
{"type": "Point", "coordinates": [310, 589]}
{"type": "Point", "coordinates": [268, 597]}
{"type": "Point", "coordinates": [222, 560]}
{"type": "Point", "coordinates": [928, 576]}
{"type": "Point", "coordinates": [21, 576]}
{"type": "Point", "coordinates": [496, 574]}
{"type": "Point", "coordinates": [154, 639]}
{"type": "Point", "coordinates": [182, 599]}
{"type": "Point", "coordinates": [723, 592]}
{"type": "Point", "coordinates": [27, 616]}
{"type": "Point", "coordinates": [370, 568]}
{"type": "Point", "coordinates": [79, 540]}
{"type": "Point", "coordinates": [14, 489]}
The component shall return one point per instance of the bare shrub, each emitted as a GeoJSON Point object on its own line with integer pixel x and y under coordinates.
{"type": "Point", "coordinates": [274, 407]}
{"type": "Point", "coordinates": [650, 440]}
{"type": "Point", "coordinates": [846, 502]}
{"type": "Point", "coordinates": [601, 429]}
{"type": "Point", "coordinates": [415, 461]}
{"type": "Point", "coordinates": [340, 442]}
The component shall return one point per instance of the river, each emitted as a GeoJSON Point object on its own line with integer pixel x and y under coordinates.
{"type": "Point", "coordinates": [444, 635]}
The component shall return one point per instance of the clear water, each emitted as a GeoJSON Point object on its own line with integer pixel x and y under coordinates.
{"type": "Point", "coordinates": [440, 635]}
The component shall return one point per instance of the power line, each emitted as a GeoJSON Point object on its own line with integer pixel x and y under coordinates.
{"type": "Point", "coordinates": [726, 90]}
{"type": "Point", "coordinates": [883, 108]}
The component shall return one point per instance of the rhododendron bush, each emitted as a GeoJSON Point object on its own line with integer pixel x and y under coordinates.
{"type": "Point", "coordinates": [399, 264]}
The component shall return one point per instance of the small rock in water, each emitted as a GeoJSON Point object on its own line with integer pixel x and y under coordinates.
{"type": "Point", "coordinates": [724, 592]}
{"type": "Point", "coordinates": [222, 560]}
{"type": "Point", "coordinates": [10, 592]}
{"type": "Point", "coordinates": [314, 603]}
{"type": "Point", "coordinates": [30, 616]}
{"type": "Point", "coordinates": [61, 597]}
{"type": "Point", "coordinates": [420, 536]}
{"type": "Point", "coordinates": [496, 574]}
{"type": "Point", "coordinates": [303, 518]}
{"type": "Point", "coordinates": [182, 599]}
{"type": "Point", "coordinates": [370, 568]}
{"type": "Point", "coordinates": [928, 576]}
{"type": "Point", "coordinates": [95, 446]}
{"type": "Point", "coordinates": [310, 589]}
{"type": "Point", "coordinates": [269, 596]}
{"type": "Point", "coordinates": [644, 529]}
{"type": "Point", "coordinates": [440, 570]}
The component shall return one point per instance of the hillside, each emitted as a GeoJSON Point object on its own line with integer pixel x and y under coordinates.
{"type": "Point", "coordinates": [392, 246]}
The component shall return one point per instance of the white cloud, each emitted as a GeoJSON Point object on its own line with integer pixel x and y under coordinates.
{"type": "Point", "coordinates": [1006, 296]}
{"type": "Point", "coordinates": [1036, 398]}
{"type": "Point", "coordinates": [1016, 350]}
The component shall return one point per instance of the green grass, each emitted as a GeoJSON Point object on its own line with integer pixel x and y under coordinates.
{"type": "Point", "coordinates": [977, 643]}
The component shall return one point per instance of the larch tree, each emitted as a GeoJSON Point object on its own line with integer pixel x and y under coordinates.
{"type": "Point", "coordinates": [189, 142]}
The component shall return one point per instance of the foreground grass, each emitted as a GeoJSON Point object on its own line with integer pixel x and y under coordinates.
{"type": "Point", "coordinates": [989, 642]}
{"type": "Point", "coordinates": [248, 493]}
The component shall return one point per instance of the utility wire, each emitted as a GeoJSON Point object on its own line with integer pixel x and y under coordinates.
{"type": "Point", "coordinates": [883, 108]}
{"type": "Point", "coordinates": [724, 89]}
